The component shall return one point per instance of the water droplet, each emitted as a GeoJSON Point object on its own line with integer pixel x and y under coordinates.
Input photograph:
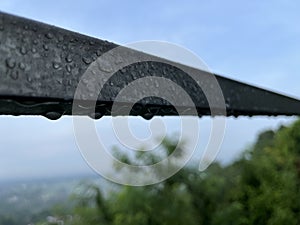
{"type": "Point", "coordinates": [26, 27]}
{"type": "Point", "coordinates": [53, 115]}
{"type": "Point", "coordinates": [86, 60]}
{"type": "Point", "coordinates": [22, 66]}
{"type": "Point", "coordinates": [68, 68]}
{"type": "Point", "coordinates": [164, 71]}
{"type": "Point", "coordinates": [92, 42]}
{"type": "Point", "coordinates": [45, 47]}
{"type": "Point", "coordinates": [23, 50]}
{"type": "Point", "coordinates": [29, 78]}
{"type": "Point", "coordinates": [61, 46]}
{"type": "Point", "coordinates": [111, 83]}
{"type": "Point", "coordinates": [123, 70]}
{"type": "Point", "coordinates": [59, 81]}
{"type": "Point", "coordinates": [73, 40]}
{"type": "Point", "coordinates": [134, 75]}
{"type": "Point", "coordinates": [85, 105]}
{"type": "Point", "coordinates": [68, 59]}
{"type": "Point", "coordinates": [94, 57]}
{"type": "Point", "coordinates": [14, 75]}
{"type": "Point", "coordinates": [118, 60]}
{"type": "Point", "coordinates": [104, 65]}
{"type": "Point", "coordinates": [49, 35]}
{"type": "Point", "coordinates": [35, 42]}
{"type": "Point", "coordinates": [55, 65]}
{"type": "Point", "coordinates": [33, 50]}
{"type": "Point", "coordinates": [60, 38]}
{"type": "Point", "coordinates": [98, 52]}
{"type": "Point", "coordinates": [10, 62]}
{"type": "Point", "coordinates": [147, 116]}
{"type": "Point", "coordinates": [96, 115]}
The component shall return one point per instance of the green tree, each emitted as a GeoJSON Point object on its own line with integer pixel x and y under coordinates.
{"type": "Point", "coordinates": [267, 189]}
{"type": "Point", "coordinates": [262, 187]}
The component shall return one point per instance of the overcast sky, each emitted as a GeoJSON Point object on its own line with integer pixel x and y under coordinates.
{"type": "Point", "coordinates": [257, 42]}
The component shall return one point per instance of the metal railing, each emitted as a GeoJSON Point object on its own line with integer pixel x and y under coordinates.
{"type": "Point", "coordinates": [42, 65]}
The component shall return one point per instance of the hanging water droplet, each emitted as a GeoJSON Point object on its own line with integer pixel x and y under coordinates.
{"type": "Point", "coordinates": [55, 65]}
{"type": "Point", "coordinates": [22, 66]}
{"type": "Point", "coordinates": [14, 75]}
{"type": "Point", "coordinates": [148, 116]}
{"type": "Point", "coordinates": [96, 115]}
{"type": "Point", "coordinates": [68, 68]}
{"type": "Point", "coordinates": [49, 35]}
{"type": "Point", "coordinates": [23, 50]}
{"type": "Point", "coordinates": [86, 60]}
{"type": "Point", "coordinates": [68, 59]}
{"type": "Point", "coordinates": [10, 63]}
{"type": "Point", "coordinates": [46, 48]}
{"type": "Point", "coordinates": [53, 115]}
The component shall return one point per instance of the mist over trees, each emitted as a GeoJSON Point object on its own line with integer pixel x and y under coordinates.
{"type": "Point", "coordinates": [261, 187]}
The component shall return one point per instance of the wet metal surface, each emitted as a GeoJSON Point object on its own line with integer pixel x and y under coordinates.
{"type": "Point", "coordinates": [41, 65]}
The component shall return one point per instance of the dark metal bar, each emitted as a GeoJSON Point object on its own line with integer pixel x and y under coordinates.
{"type": "Point", "coordinates": [41, 65]}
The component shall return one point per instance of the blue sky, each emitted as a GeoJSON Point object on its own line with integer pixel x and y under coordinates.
{"type": "Point", "coordinates": [257, 42]}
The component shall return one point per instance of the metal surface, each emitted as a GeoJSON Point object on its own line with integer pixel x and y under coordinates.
{"type": "Point", "coordinates": [41, 65]}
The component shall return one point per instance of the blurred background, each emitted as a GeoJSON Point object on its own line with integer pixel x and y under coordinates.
{"type": "Point", "coordinates": [255, 42]}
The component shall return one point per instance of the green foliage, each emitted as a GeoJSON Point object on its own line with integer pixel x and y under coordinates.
{"type": "Point", "coordinates": [262, 187]}
{"type": "Point", "coordinates": [267, 190]}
